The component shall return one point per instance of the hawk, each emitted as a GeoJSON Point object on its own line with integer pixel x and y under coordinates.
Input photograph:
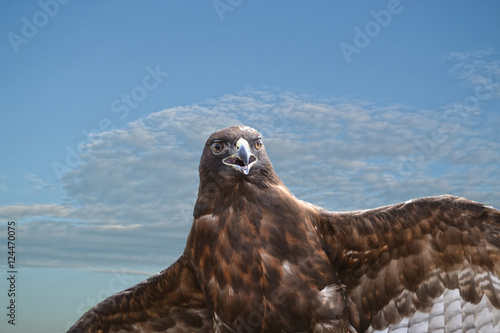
{"type": "Point", "coordinates": [258, 259]}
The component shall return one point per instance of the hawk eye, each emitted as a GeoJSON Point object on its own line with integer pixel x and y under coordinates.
{"type": "Point", "coordinates": [257, 144]}
{"type": "Point", "coordinates": [217, 147]}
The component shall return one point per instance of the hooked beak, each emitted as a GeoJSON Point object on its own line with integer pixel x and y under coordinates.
{"type": "Point", "coordinates": [243, 160]}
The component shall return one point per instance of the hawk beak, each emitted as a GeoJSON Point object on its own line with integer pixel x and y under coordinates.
{"type": "Point", "coordinates": [243, 160]}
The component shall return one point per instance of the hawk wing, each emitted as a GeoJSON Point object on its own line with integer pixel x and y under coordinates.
{"type": "Point", "coordinates": [170, 301]}
{"type": "Point", "coordinates": [403, 260]}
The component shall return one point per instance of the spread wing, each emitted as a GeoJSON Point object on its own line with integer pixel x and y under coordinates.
{"type": "Point", "coordinates": [406, 260]}
{"type": "Point", "coordinates": [170, 301]}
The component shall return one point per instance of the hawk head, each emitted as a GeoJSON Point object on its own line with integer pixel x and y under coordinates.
{"type": "Point", "coordinates": [236, 151]}
{"type": "Point", "coordinates": [233, 160]}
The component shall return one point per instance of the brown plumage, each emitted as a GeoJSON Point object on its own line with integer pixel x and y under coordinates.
{"type": "Point", "coordinates": [259, 260]}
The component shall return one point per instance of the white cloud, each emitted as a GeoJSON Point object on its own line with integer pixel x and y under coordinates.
{"type": "Point", "coordinates": [118, 271]}
{"type": "Point", "coordinates": [353, 148]}
{"type": "Point", "coordinates": [34, 183]}
{"type": "Point", "coordinates": [478, 68]}
{"type": "Point", "coordinates": [66, 243]}
{"type": "Point", "coordinates": [18, 212]}
{"type": "Point", "coordinates": [130, 200]}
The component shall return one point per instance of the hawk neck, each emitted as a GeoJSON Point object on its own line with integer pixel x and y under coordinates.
{"type": "Point", "coordinates": [218, 193]}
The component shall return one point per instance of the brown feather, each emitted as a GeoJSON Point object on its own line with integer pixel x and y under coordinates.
{"type": "Point", "coordinates": [435, 243]}
{"type": "Point", "coordinates": [170, 300]}
{"type": "Point", "coordinates": [259, 260]}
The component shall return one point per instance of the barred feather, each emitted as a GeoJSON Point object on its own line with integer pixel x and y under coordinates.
{"type": "Point", "coordinates": [259, 260]}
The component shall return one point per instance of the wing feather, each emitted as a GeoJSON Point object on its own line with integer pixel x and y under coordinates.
{"type": "Point", "coordinates": [170, 301]}
{"type": "Point", "coordinates": [401, 259]}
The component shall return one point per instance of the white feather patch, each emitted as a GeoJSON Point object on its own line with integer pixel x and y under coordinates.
{"type": "Point", "coordinates": [451, 314]}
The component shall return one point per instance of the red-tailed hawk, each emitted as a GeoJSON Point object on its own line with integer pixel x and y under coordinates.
{"type": "Point", "coordinates": [257, 259]}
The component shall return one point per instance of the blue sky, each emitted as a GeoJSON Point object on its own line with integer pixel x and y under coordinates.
{"type": "Point", "coordinates": [106, 107]}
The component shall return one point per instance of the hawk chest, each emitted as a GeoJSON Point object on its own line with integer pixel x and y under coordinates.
{"type": "Point", "coordinates": [259, 262]}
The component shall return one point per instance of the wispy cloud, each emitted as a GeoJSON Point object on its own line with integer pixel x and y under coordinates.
{"type": "Point", "coordinates": [130, 200]}
{"type": "Point", "coordinates": [117, 271]}
{"type": "Point", "coordinates": [34, 183]}
{"type": "Point", "coordinates": [86, 245]}
{"type": "Point", "coordinates": [478, 68]}
{"type": "Point", "coordinates": [19, 212]}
